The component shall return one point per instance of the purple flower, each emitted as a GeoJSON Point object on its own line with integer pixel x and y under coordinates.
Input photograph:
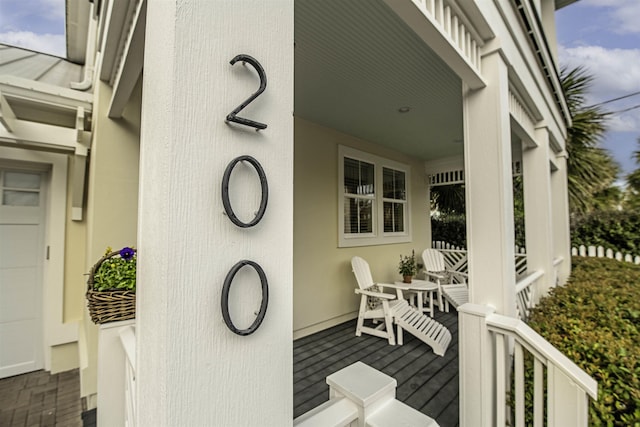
{"type": "Point", "coordinates": [127, 253]}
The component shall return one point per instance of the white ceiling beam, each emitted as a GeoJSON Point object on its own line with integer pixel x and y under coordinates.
{"type": "Point", "coordinates": [116, 14]}
{"type": "Point", "coordinates": [79, 167]}
{"type": "Point", "coordinates": [43, 93]}
{"type": "Point", "coordinates": [130, 66]}
{"type": "Point", "coordinates": [7, 116]}
{"type": "Point", "coordinates": [40, 136]}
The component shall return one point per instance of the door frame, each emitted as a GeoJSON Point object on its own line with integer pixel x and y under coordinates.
{"type": "Point", "coordinates": [37, 362]}
{"type": "Point", "coordinates": [54, 330]}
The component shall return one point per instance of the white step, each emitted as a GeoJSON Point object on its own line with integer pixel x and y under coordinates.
{"type": "Point", "coordinates": [398, 414]}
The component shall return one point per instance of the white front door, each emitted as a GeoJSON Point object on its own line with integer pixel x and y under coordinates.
{"type": "Point", "coordinates": [21, 257]}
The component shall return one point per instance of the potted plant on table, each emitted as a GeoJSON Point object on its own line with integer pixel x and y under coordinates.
{"type": "Point", "coordinates": [111, 287]}
{"type": "Point", "coordinates": [407, 267]}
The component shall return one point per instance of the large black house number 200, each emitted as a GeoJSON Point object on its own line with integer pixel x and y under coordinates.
{"type": "Point", "coordinates": [228, 281]}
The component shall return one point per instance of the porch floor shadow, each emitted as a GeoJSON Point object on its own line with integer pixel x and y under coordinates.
{"type": "Point", "coordinates": [426, 382]}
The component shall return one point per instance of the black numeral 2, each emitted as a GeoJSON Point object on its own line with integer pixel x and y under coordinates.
{"type": "Point", "coordinates": [232, 116]}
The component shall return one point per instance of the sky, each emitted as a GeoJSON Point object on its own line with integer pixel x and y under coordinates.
{"type": "Point", "coordinates": [604, 37]}
{"type": "Point", "coordinates": [34, 24]}
{"type": "Point", "coordinates": [601, 35]}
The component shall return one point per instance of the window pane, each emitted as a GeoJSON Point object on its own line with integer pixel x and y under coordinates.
{"type": "Point", "coordinates": [358, 216]}
{"type": "Point", "coordinates": [366, 216]}
{"type": "Point", "coordinates": [393, 217]}
{"type": "Point", "coordinates": [393, 184]}
{"type": "Point", "coordinates": [358, 177]}
{"type": "Point", "coordinates": [22, 180]}
{"type": "Point", "coordinates": [20, 198]}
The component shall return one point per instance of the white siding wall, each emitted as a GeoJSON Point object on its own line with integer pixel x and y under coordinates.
{"type": "Point", "coordinates": [192, 369]}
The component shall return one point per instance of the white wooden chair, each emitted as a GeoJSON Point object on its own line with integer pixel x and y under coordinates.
{"type": "Point", "coordinates": [452, 285]}
{"type": "Point", "coordinates": [374, 303]}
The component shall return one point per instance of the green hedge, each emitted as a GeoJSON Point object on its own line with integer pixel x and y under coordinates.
{"type": "Point", "coordinates": [451, 229]}
{"type": "Point", "coordinates": [619, 230]}
{"type": "Point", "coordinates": [595, 321]}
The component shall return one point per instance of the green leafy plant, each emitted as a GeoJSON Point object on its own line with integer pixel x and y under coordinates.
{"type": "Point", "coordinates": [595, 321]}
{"type": "Point", "coordinates": [407, 266]}
{"type": "Point", "coordinates": [117, 272]}
{"type": "Point", "coordinates": [617, 230]}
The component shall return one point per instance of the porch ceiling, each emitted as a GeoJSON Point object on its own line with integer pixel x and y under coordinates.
{"type": "Point", "coordinates": [357, 63]}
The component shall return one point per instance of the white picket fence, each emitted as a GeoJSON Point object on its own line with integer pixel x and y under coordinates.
{"type": "Point", "coordinates": [601, 252]}
{"type": "Point", "coordinates": [582, 250]}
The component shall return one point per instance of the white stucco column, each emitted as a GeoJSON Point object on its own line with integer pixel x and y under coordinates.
{"type": "Point", "coordinates": [536, 177]}
{"type": "Point", "coordinates": [489, 189]}
{"type": "Point", "coordinates": [191, 369]}
{"type": "Point", "coordinates": [560, 211]}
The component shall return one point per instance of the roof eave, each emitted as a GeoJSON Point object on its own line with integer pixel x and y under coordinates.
{"type": "Point", "coordinates": [76, 29]}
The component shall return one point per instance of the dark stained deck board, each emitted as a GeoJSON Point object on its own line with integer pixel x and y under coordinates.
{"type": "Point", "coordinates": [426, 382]}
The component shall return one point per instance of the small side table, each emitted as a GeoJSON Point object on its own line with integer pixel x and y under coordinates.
{"type": "Point", "coordinates": [417, 286]}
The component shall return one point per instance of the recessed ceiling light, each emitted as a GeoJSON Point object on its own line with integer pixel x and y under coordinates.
{"type": "Point", "coordinates": [404, 109]}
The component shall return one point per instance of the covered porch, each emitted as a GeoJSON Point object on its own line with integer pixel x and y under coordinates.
{"type": "Point", "coordinates": [386, 88]}
{"type": "Point", "coordinates": [426, 382]}
{"type": "Point", "coordinates": [396, 89]}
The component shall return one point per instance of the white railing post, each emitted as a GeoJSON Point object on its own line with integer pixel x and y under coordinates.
{"type": "Point", "coordinates": [477, 367]}
{"type": "Point", "coordinates": [568, 387]}
{"type": "Point", "coordinates": [567, 405]}
{"type": "Point", "coordinates": [128, 340]}
{"type": "Point", "coordinates": [111, 374]}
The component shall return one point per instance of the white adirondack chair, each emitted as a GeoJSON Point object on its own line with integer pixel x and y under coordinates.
{"type": "Point", "coordinates": [374, 303]}
{"type": "Point", "coordinates": [452, 285]}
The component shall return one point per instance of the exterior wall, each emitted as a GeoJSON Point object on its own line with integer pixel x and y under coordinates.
{"type": "Point", "coordinates": [528, 80]}
{"type": "Point", "coordinates": [112, 204]}
{"type": "Point", "coordinates": [64, 357]}
{"type": "Point", "coordinates": [75, 281]}
{"type": "Point", "coordinates": [548, 18]}
{"type": "Point", "coordinates": [323, 284]}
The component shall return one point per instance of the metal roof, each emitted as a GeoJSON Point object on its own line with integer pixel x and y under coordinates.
{"type": "Point", "coordinates": [27, 64]}
{"type": "Point", "coordinates": [37, 86]}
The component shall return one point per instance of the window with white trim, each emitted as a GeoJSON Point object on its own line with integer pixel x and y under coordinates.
{"type": "Point", "coordinates": [20, 188]}
{"type": "Point", "coordinates": [373, 199]}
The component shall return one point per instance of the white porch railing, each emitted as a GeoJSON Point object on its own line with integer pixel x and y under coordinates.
{"type": "Point", "coordinates": [116, 360]}
{"type": "Point", "coordinates": [601, 252]}
{"type": "Point", "coordinates": [526, 295]}
{"type": "Point", "coordinates": [445, 16]}
{"type": "Point", "coordinates": [485, 366]}
{"type": "Point", "coordinates": [456, 257]}
{"type": "Point", "coordinates": [128, 339]}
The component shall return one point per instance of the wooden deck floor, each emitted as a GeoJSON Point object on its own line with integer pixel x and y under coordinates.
{"type": "Point", "coordinates": [426, 382]}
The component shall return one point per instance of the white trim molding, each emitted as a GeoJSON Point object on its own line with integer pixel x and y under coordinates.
{"type": "Point", "coordinates": [56, 332]}
{"type": "Point", "coordinates": [377, 236]}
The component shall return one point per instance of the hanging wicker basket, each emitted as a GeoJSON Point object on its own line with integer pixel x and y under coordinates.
{"type": "Point", "coordinates": [109, 305]}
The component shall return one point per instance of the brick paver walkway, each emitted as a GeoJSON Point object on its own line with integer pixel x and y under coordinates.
{"type": "Point", "coordinates": [41, 399]}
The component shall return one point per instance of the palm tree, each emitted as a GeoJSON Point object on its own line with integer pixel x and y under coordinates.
{"type": "Point", "coordinates": [633, 183]}
{"type": "Point", "coordinates": [591, 169]}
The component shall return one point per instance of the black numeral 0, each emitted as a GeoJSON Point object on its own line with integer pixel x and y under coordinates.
{"type": "Point", "coordinates": [232, 116]}
{"type": "Point", "coordinates": [225, 297]}
{"type": "Point", "coordinates": [225, 191]}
